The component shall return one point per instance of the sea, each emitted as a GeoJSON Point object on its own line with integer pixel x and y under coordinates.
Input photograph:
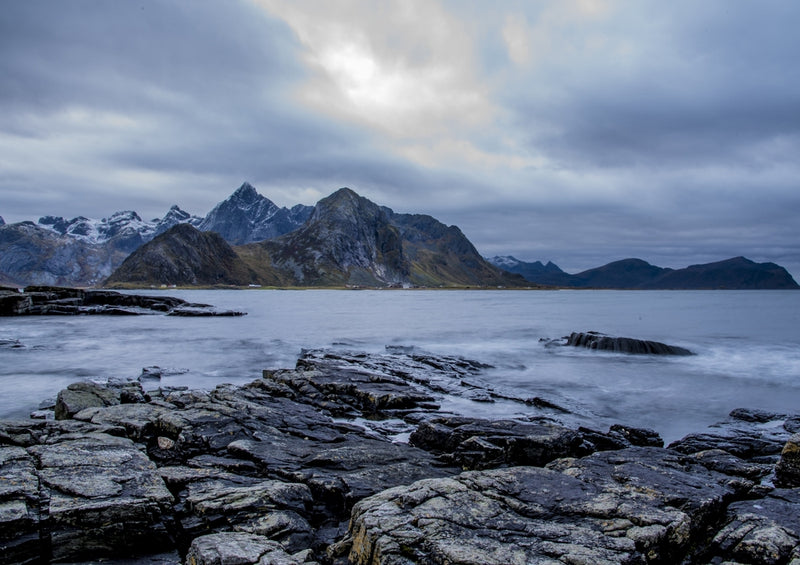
{"type": "Point", "coordinates": [746, 345]}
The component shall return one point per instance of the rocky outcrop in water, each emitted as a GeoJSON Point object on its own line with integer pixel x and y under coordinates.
{"type": "Point", "coordinates": [308, 465]}
{"type": "Point", "coordinates": [602, 342]}
{"type": "Point", "coordinates": [58, 301]}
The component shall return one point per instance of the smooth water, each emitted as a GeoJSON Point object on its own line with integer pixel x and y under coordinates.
{"type": "Point", "coordinates": [747, 345]}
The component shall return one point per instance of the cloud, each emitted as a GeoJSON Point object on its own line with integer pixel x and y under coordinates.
{"type": "Point", "coordinates": [578, 131]}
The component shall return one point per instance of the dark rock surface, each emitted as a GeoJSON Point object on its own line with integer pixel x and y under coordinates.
{"type": "Point", "coordinates": [300, 467]}
{"type": "Point", "coordinates": [60, 301]}
{"type": "Point", "coordinates": [602, 342]}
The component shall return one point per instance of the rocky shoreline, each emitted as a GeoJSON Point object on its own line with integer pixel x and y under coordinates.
{"type": "Point", "coordinates": [349, 458]}
{"type": "Point", "coordinates": [61, 301]}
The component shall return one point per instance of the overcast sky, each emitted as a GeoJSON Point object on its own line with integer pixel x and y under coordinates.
{"type": "Point", "coordinates": [578, 131]}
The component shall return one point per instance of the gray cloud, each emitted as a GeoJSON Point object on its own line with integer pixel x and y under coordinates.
{"type": "Point", "coordinates": [580, 132]}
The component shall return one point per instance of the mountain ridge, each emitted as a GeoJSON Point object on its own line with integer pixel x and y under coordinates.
{"type": "Point", "coordinates": [735, 273]}
{"type": "Point", "coordinates": [347, 241]}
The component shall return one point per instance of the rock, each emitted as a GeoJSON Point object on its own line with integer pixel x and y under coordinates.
{"type": "Point", "coordinates": [241, 548]}
{"type": "Point", "coordinates": [473, 443]}
{"type": "Point", "coordinates": [155, 372]}
{"type": "Point", "coordinates": [632, 506]}
{"type": "Point", "coordinates": [204, 313]}
{"type": "Point", "coordinates": [49, 300]}
{"type": "Point", "coordinates": [601, 342]}
{"type": "Point", "coordinates": [273, 471]}
{"type": "Point", "coordinates": [88, 394]}
{"type": "Point", "coordinates": [787, 471]}
{"type": "Point", "coordinates": [745, 435]}
{"type": "Point", "coordinates": [81, 496]}
{"type": "Point", "coordinates": [765, 531]}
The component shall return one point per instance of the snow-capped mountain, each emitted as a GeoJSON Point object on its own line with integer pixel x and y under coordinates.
{"type": "Point", "coordinates": [83, 251]}
{"type": "Point", "coordinates": [174, 217]}
{"type": "Point", "coordinates": [246, 217]}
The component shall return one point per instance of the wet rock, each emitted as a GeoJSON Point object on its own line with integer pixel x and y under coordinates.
{"type": "Point", "coordinates": [211, 500]}
{"type": "Point", "coordinates": [80, 495]}
{"type": "Point", "coordinates": [633, 506]}
{"type": "Point", "coordinates": [155, 372]}
{"type": "Point", "coordinates": [787, 471]}
{"type": "Point", "coordinates": [743, 435]}
{"type": "Point", "coordinates": [240, 548]}
{"type": "Point", "coordinates": [19, 506]}
{"type": "Point", "coordinates": [473, 443]}
{"type": "Point", "coordinates": [204, 313]}
{"type": "Point", "coordinates": [602, 342]}
{"type": "Point", "coordinates": [766, 530]}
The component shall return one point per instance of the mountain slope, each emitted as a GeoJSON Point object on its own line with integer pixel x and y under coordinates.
{"type": "Point", "coordinates": [246, 216]}
{"type": "Point", "coordinates": [184, 256]}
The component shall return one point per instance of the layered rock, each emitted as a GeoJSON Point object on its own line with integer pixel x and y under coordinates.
{"type": "Point", "coordinates": [305, 466]}
{"type": "Point", "coordinates": [58, 301]}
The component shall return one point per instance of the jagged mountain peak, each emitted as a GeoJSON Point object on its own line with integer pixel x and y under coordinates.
{"type": "Point", "coordinates": [246, 193]}
{"type": "Point", "coordinates": [246, 217]}
{"type": "Point", "coordinates": [346, 205]}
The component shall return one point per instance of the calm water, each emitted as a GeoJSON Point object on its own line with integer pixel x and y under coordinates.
{"type": "Point", "coordinates": [747, 345]}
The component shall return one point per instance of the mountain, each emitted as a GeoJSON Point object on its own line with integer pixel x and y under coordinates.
{"type": "Point", "coordinates": [347, 240]}
{"type": "Point", "coordinates": [97, 247]}
{"type": "Point", "coordinates": [735, 273]}
{"type": "Point", "coordinates": [2, 221]}
{"type": "Point", "coordinates": [173, 217]}
{"type": "Point", "coordinates": [549, 274]}
{"type": "Point", "coordinates": [246, 216]}
{"type": "Point", "coordinates": [33, 255]}
{"type": "Point", "coordinates": [184, 256]}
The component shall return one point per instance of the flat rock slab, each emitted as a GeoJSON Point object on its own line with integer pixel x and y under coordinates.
{"type": "Point", "coordinates": [636, 505]}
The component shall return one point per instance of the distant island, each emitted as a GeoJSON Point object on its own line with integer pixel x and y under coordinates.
{"type": "Point", "coordinates": [344, 241]}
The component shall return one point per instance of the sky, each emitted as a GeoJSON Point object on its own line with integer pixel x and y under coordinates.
{"type": "Point", "coordinates": [580, 131]}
